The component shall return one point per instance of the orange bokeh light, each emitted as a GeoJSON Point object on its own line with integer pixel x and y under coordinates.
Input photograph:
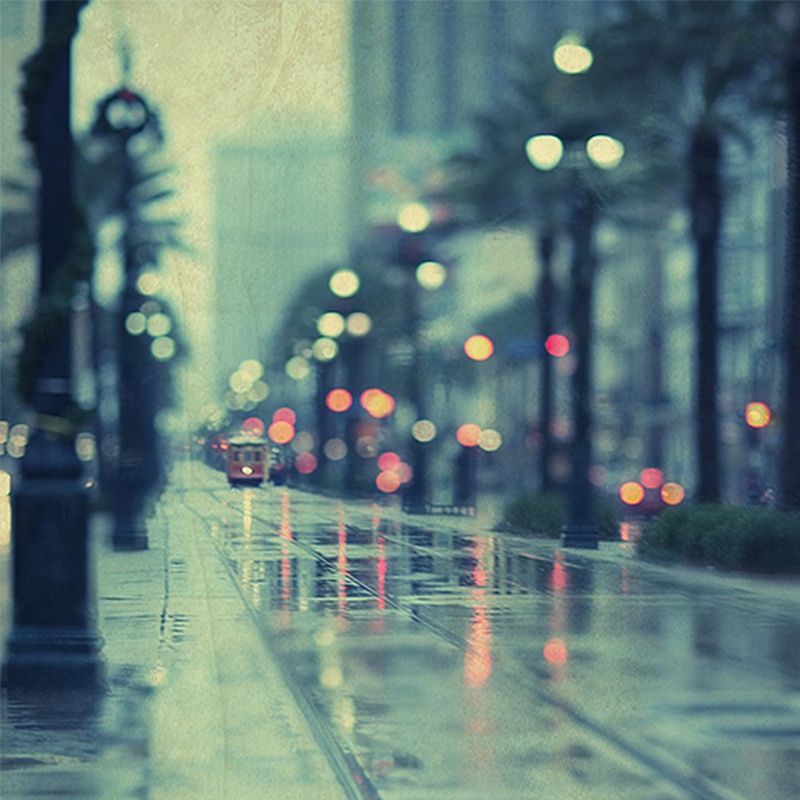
{"type": "Point", "coordinates": [651, 478]}
{"type": "Point", "coordinates": [285, 415]}
{"type": "Point", "coordinates": [555, 651]}
{"type": "Point", "coordinates": [281, 432]}
{"type": "Point", "coordinates": [377, 403]}
{"type": "Point", "coordinates": [339, 400]}
{"type": "Point", "coordinates": [479, 347]}
{"type": "Point", "coordinates": [469, 434]}
{"type": "Point", "coordinates": [757, 415]}
{"type": "Point", "coordinates": [631, 493]}
{"type": "Point", "coordinates": [557, 345]}
{"type": "Point", "coordinates": [388, 482]}
{"type": "Point", "coordinates": [672, 493]}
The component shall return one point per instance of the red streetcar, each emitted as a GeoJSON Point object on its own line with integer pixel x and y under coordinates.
{"type": "Point", "coordinates": [247, 460]}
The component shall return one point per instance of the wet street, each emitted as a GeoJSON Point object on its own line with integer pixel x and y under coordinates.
{"type": "Point", "coordinates": [272, 642]}
{"type": "Point", "coordinates": [437, 659]}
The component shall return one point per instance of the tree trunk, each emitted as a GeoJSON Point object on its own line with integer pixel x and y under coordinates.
{"type": "Point", "coordinates": [789, 490]}
{"type": "Point", "coordinates": [705, 202]}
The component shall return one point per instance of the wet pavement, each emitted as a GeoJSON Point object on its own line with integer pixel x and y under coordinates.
{"type": "Point", "coordinates": [275, 643]}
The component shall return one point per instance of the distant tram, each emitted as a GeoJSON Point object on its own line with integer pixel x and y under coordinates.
{"type": "Point", "coordinates": [247, 460]}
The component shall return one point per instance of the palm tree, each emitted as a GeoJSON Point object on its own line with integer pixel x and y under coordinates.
{"type": "Point", "coordinates": [681, 64]}
{"type": "Point", "coordinates": [494, 186]}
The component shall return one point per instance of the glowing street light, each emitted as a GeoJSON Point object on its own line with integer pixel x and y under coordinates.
{"type": "Point", "coordinates": [414, 218]}
{"type": "Point", "coordinates": [571, 56]}
{"type": "Point", "coordinates": [544, 151]}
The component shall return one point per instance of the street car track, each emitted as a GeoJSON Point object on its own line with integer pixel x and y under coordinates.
{"type": "Point", "coordinates": [351, 773]}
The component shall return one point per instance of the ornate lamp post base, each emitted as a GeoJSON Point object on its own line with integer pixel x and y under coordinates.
{"type": "Point", "coordinates": [53, 643]}
{"type": "Point", "coordinates": [580, 534]}
{"type": "Point", "coordinates": [46, 659]}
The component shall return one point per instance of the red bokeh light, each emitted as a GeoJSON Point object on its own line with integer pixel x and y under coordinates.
{"type": "Point", "coordinates": [388, 461]}
{"type": "Point", "coordinates": [469, 434]}
{"type": "Point", "coordinates": [339, 400]}
{"type": "Point", "coordinates": [651, 478]}
{"type": "Point", "coordinates": [253, 425]}
{"type": "Point", "coordinates": [557, 345]}
{"type": "Point", "coordinates": [305, 463]}
{"type": "Point", "coordinates": [285, 415]}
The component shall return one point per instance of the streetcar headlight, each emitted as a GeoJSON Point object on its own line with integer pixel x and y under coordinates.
{"type": "Point", "coordinates": [247, 470]}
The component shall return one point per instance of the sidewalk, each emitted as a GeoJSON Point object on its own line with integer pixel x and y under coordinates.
{"type": "Point", "coordinates": [196, 706]}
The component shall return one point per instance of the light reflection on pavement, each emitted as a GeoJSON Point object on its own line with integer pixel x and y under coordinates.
{"type": "Point", "coordinates": [452, 662]}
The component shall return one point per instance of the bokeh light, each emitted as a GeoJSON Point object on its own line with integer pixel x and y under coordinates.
{"type": "Point", "coordinates": [339, 400]}
{"type": "Point", "coordinates": [253, 425]}
{"type": "Point", "coordinates": [544, 151]}
{"type": "Point", "coordinates": [555, 651]}
{"type": "Point", "coordinates": [344, 283]}
{"type": "Point", "coordinates": [335, 449]}
{"type": "Point", "coordinates": [490, 440]}
{"type": "Point", "coordinates": [404, 472]}
{"type": "Point", "coordinates": [469, 434]}
{"type": "Point", "coordinates": [388, 482]}
{"type": "Point", "coordinates": [605, 152]}
{"type": "Point", "coordinates": [377, 403]}
{"type": "Point", "coordinates": [672, 493]}
{"type": "Point", "coordinates": [281, 432]}
{"type": "Point", "coordinates": [757, 415]}
{"type": "Point", "coordinates": [631, 493]}
{"type": "Point", "coordinates": [557, 345]}
{"type": "Point", "coordinates": [86, 446]}
{"type": "Point", "coordinates": [359, 323]}
{"type": "Point", "coordinates": [136, 323]}
{"type": "Point", "coordinates": [305, 463]}
{"type": "Point", "coordinates": [298, 368]}
{"type": "Point", "coordinates": [431, 275]}
{"type": "Point", "coordinates": [423, 430]}
{"type": "Point", "coordinates": [571, 56]}
{"type": "Point", "coordinates": [331, 324]}
{"type": "Point", "coordinates": [651, 478]}
{"type": "Point", "coordinates": [414, 217]}
{"type": "Point", "coordinates": [388, 461]}
{"type": "Point", "coordinates": [303, 442]}
{"type": "Point", "coordinates": [325, 349]}
{"type": "Point", "coordinates": [284, 414]}
{"type": "Point", "coordinates": [258, 392]}
{"type": "Point", "coordinates": [479, 347]}
{"type": "Point", "coordinates": [598, 475]}
{"type": "Point", "coordinates": [159, 324]}
{"type": "Point", "coordinates": [148, 283]}
{"type": "Point", "coordinates": [163, 348]}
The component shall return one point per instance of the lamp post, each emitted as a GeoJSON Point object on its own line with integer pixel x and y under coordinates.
{"type": "Point", "coordinates": [124, 118]}
{"type": "Point", "coordinates": [545, 152]}
{"type": "Point", "coordinates": [53, 643]}
{"type": "Point", "coordinates": [418, 237]}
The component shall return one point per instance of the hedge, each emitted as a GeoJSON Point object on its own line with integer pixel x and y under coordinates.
{"type": "Point", "coordinates": [726, 537]}
{"type": "Point", "coordinates": [542, 514]}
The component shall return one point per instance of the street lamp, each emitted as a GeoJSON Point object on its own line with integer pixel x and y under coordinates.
{"type": "Point", "coordinates": [546, 152]}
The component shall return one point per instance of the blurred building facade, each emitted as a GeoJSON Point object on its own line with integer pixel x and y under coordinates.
{"type": "Point", "coordinates": [282, 213]}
